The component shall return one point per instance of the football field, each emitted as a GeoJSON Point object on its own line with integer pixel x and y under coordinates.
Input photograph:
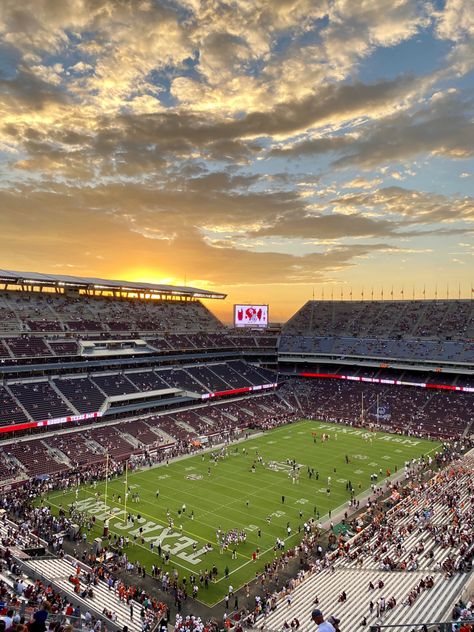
{"type": "Point", "coordinates": [263, 486]}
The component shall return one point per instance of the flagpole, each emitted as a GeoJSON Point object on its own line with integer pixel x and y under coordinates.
{"type": "Point", "coordinates": [126, 490]}
{"type": "Point", "coordinates": [106, 478]}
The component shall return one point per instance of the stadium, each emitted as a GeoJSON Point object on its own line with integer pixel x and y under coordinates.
{"type": "Point", "coordinates": [158, 466]}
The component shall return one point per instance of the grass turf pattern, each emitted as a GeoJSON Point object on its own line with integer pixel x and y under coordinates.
{"type": "Point", "coordinates": [228, 495]}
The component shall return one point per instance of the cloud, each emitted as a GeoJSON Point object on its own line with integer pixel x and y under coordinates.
{"type": "Point", "coordinates": [441, 127]}
{"type": "Point", "coordinates": [413, 207]}
{"type": "Point", "coordinates": [444, 129]}
{"type": "Point", "coordinates": [456, 21]}
{"type": "Point", "coordinates": [150, 138]}
{"type": "Point", "coordinates": [362, 183]}
{"type": "Point", "coordinates": [313, 146]}
{"type": "Point", "coordinates": [163, 131]}
{"type": "Point", "coordinates": [28, 90]}
{"type": "Point", "coordinates": [66, 230]}
{"type": "Point", "coordinates": [332, 226]}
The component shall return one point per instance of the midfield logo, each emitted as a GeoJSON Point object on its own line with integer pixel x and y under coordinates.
{"type": "Point", "coordinates": [282, 466]}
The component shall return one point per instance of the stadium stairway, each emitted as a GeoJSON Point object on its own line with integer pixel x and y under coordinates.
{"type": "Point", "coordinates": [95, 447]}
{"type": "Point", "coordinates": [132, 440]}
{"type": "Point", "coordinates": [328, 584]}
{"type": "Point", "coordinates": [57, 454]}
{"type": "Point", "coordinates": [160, 434]}
{"type": "Point", "coordinates": [57, 571]}
{"type": "Point", "coordinates": [185, 426]}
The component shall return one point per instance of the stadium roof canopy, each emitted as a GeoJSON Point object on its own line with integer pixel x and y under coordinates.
{"type": "Point", "coordinates": [12, 277]}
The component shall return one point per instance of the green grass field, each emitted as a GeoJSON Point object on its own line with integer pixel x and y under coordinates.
{"type": "Point", "coordinates": [228, 495]}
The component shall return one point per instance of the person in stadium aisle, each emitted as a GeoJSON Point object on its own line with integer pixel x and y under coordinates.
{"type": "Point", "coordinates": [323, 626]}
{"type": "Point", "coordinates": [333, 619]}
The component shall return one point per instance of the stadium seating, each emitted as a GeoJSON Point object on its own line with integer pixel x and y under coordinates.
{"type": "Point", "coordinates": [64, 347]}
{"type": "Point", "coordinates": [232, 376]}
{"type": "Point", "coordinates": [114, 384]}
{"type": "Point", "coordinates": [143, 433]}
{"type": "Point", "coordinates": [49, 329]}
{"type": "Point", "coordinates": [35, 457]}
{"type": "Point", "coordinates": [411, 319]}
{"type": "Point", "coordinates": [82, 393]}
{"type": "Point", "coordinates": [40, 400]}
{"type": "Point", "coordinates": [78, 394]}
{"type": "Point", "coordinates": [381, 349]}
{"type": "Point", "coordinates": [404, 409]}
{"type": "Point", "coordinates": [180, 378]}
{"type": "Point", "coordinates": [417, 539]}
{"type": "Point", "coordinates": [59, 570]}
{"type": "Point", "coordinates": [76, 447]}
{"type": "Point", "coordinates": [252, 374]}
{"type": "Point", "coordinates": [54, 313]}
{"type": "Point", "coordinates": [27, 347]}
{"type": "Point", "coordinates": [415, 330]}
{"type": "Point", "coordinates": [146, 380]}
{"type": "Point", "coordinates": [208, 377]}
{"type": "Point", "coordinates": [8, 470]}
{"type": "Point", "coordinates": [10, 411]}
{"type": "Point", "coordinates": [112, 441]}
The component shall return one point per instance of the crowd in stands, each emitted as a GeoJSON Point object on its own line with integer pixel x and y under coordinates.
{"type": "Point", "coordinates": [28, 605]}
{"type": "Point", "coordinates": [429, 528]}
{"type": "Point", "coordinates": [52, 325]}
{"type": "Point", "coordinates": [402, 409]}
{"type": "Point", "coordinates": [441, 319]}
{"type": "Point", "coordinates": [439, 331]}
{"type": "Point", "coordinates": [407, 410]}
{"type": "Point", "coordinates": [38, 524]}
{"type": "Point", "coordinates": [63, 452]}
{"type": "Point", "coordinates": [421, 526]}
{"type": "Point", "coordinates": [379, 348]}
{"type": "Point", "coordinates": [36, 311]}
{"type": "Point", "coordinates": [450, 491]}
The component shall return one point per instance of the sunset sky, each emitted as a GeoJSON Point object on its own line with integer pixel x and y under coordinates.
{"type": "Point", "coordinates": [268, 149]}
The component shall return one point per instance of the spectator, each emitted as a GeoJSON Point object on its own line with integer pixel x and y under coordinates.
{"type": "Point", "coordinates": [323, 626]}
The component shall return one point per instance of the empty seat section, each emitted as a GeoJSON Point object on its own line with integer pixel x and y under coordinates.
{"type": "Point", "coordinates": [40, 400]}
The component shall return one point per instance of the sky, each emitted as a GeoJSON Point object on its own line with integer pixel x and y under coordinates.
{"type": "Point", "coordinates": [272, 150]}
